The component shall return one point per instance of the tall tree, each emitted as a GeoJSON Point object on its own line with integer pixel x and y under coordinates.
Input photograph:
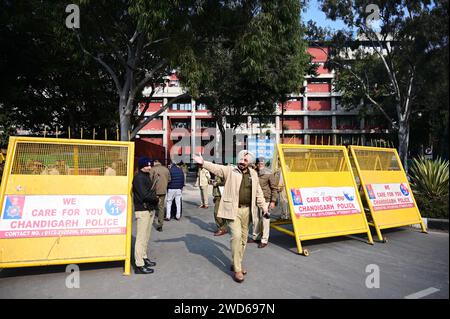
{"type": "Point", "coordinates": [378, 59]}
{"type": "Point", "coordinates": [255, 64]}
{"type": "Point", "coordinates": [138, 42]}
{"type": "Point", "coordinates": [44, 82]}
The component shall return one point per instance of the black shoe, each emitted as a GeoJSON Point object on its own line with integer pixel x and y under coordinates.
{"type": "Point", "coordinates": [143, 270]}
{"type": "Point", "coordinates": [149, 263]}
{"type": "Point", "coordinates": [159, 228]}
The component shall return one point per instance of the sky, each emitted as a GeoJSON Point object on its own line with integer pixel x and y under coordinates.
{"type": "Point", "coordinates": [314, 13]}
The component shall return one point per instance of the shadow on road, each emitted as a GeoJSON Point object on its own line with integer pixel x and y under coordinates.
{"type": "Point", "coordinates": [205, 247]}
{"type": "Point", "coordinates": [287, 242]}
{"type": "Point", "coordinates": [210, 227]}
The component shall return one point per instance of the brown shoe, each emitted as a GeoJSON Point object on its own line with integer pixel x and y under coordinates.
{"type": "Point", "coordinates": [201, 206]}
{"type": "Point", "coordinates": [244, 271]}
{"type": "Point", "coordinates": [220, 232]}
{"type": "Point", "coordinates": [262, 245]}
{"type": "Point", "coordinates": [238, 277]}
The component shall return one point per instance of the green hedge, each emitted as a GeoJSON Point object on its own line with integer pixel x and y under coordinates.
{"type": "Point", "coordinates": [433, 207]}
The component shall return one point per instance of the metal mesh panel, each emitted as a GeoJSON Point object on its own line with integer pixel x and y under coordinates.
{"type": "Point", "coordinates": [377, 160]}
{"type": "Point", "coordinates": [69, 159]}
{"type": "Point", "coordinates": [314, 160]}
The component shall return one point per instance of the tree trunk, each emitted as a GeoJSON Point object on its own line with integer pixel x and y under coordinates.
{"type": "Point", "coordinates": [125, 120]}
{"type": "Point", "coordinates": [403, 143]}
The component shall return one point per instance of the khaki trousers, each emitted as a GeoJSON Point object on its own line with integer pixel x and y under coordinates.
{"type": "Point", "coordinates": [144, 221]}
{"type": "Point", "coordinates": [204, 195]}
{"type": "Point", "coordinates": [261, 228]}
{"type": "Point", "coordinates": [239, 235]}
{"type": "Point", "coordinates": [161, 211]}
{"type": "Point", "coordinates": [220, 223]}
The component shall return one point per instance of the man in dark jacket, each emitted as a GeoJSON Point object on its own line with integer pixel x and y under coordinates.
{"type": "Point", "coordinates": [145, 202]}
{"type": "Point", "coordinates": [174, 189]}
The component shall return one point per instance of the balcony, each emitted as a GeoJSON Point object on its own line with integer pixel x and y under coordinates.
{"type": "Point", "coordinates": [319, 123]}
{"type": "Point", "coordinates": [293, 105]}
{"type": "Point", "coordinates": [315, 104]}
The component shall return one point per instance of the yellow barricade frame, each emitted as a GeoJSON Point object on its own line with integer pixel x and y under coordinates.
{"type": "Point", "coordinates": [386, 218]}
{"type": "Point", "coordinates": [304, 228]}
{"type": "Point", "coordinates": [87, 249]}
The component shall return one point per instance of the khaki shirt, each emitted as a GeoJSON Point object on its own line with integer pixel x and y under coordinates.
{"type": "Point", "coordinates": [229, 202]}
{"type": "Point", "coordinates": [203, 177]}
{"type": "Point", "coordinates": [269, 184]}
{"type": "Point", "coordinates": [162, 174]}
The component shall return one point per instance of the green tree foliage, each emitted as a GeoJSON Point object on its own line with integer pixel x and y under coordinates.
{"type": "Point", "coordinates": [44, 81]}
{"type": "Point", "coordinates": [254, 64]}
{"type": "Point", "coordinates": [386, 63]}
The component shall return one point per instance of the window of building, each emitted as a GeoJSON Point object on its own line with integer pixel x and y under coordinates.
{"type": "Point", "coordinates": [201, 106]}
{"type": "Point", "coordinates": [208, 123]}
{"type": "Point", "coordinates": [347, 123]}
{"type": "Point", "coordinates": [182, 106]}
{"type": "Point", "coordinates": [186, 124]}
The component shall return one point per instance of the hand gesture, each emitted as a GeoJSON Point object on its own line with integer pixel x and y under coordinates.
{"type": "Point", "coordinates": [198, 159]}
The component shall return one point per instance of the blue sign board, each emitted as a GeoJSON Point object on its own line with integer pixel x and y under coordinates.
{"type": "Point", "coordinates": [261, 147]}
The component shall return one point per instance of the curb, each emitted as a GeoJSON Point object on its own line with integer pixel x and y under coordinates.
{"type": "Point", "coordinates": [433, 223]}
{"type": "Point", "coordinates": [441, 224]}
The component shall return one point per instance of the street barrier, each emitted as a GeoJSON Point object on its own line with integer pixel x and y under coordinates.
{"type": "Point", "coordinates": [66, 201]}
{"type": "Point", "coordinates": [322, 193]}
{"type": "Point", "coordinates": [387, 193]}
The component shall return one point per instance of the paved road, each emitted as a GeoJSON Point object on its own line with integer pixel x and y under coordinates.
{"type": "Point", "coordinates": [192, 263]}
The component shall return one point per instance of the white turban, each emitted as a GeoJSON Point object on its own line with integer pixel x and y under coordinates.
{"type": "Point", "coordinates": [251, 156]}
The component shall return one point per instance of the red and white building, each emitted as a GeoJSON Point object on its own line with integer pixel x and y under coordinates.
{"type": "Point", "coordinates": [311, 117]}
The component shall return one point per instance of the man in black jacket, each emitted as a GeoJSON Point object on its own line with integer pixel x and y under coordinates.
{"type": "Point", "coordinates": [145, 202]}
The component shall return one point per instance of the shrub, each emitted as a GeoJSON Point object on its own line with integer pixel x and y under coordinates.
{"type": "Point", "coordinates": [429, 182]}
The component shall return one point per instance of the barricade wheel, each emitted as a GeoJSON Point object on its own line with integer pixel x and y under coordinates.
{"type": "Point", "coordinates": [305, 252]}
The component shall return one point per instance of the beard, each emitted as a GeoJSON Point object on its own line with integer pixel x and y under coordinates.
{"type": "Point", "coordinates": [242, 167]}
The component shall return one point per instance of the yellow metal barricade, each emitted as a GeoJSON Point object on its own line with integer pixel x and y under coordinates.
{"type": "Point", "coordinates": [387, 193]}
{"type": "Point", "coordinates": [65, 202]}
{"type": "Point", "coordinates": [321, 191]}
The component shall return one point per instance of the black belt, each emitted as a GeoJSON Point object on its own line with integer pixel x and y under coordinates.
{"type": "Point", "coordinates": [244, 206]}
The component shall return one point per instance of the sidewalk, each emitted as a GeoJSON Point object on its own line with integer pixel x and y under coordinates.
{"type": "Point", "coordinates": [192, 263]}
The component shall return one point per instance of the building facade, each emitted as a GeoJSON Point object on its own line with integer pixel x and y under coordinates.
{"type": "Point", "coordinates": [311, 117]}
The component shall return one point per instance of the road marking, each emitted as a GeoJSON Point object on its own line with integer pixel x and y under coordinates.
{"type": "Point", "coordinates": [422, 293]}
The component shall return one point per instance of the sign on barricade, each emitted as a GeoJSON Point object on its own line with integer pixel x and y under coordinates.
{"type": "Point", "coordinates": [386, 190]}
{"type": "Point", "coordinates": [66, 201]}
{"type": "Point", "coordinates": [322, 193]}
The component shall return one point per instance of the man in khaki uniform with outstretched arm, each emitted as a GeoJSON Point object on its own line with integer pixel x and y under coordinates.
{"type": "Point", "coordinates": [241, 194]}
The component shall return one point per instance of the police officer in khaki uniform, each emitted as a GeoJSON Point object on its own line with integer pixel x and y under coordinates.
{"type": "Point", "coordinates": [203, 177]}
{"type": "Point", "coordinates": [217, 183]}
{"type": "Point", "coordinates": [161, 174]}
{"type": "Point", "coordinates": [269, 186]}
{"type": "Point", "coordinates": [242, 193]}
